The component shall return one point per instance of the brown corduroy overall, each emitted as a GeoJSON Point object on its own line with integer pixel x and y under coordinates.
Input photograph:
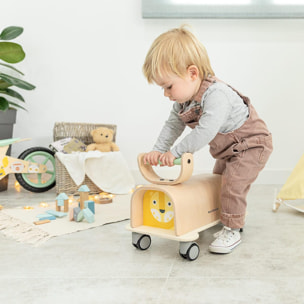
{"type": "Point", "coordinates": [240, 156]}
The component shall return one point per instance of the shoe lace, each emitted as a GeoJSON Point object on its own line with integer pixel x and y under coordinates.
{"type": "Point", "coordinates": [224, 234]}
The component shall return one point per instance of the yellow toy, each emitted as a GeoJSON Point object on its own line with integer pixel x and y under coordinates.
{"type": "Point", "coordinates": [158, 210]}
{"type": "Point", "coordinates": [103, 140]}
{"type": "Point", "coordinates": [176, 209]}
{"type": "Point", "coordinates": [292, 192]}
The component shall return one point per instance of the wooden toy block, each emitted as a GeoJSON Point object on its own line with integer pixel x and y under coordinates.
{"type": "Point", "coordinates": [46, 217]}
{"type": "Point", "coordinates": [84, 188]}
{"type": "Point", "coordinates": [76, 210]}
{"type": "Point", "coordinates": [84, 196]}
{"type": "Point", "coordinates": [65, 206]}
{"type": "Point", "coordinates": [88, 215]}
{"type": "Point", "coordinates": [57, 213]}
{"type": "Point", "coordinates": [71, 211]}
{"type": "Point", "coordinates": [91, 205]}
{"type": "Point", "coordinates": [42, 222]}
{"type": "Point", "coordinates": [80, 216]}
{"type": "Point", "coordinates": [62, 200]}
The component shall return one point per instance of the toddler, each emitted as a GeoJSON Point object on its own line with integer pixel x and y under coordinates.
{"type": "Point", "coordinates": [218, 115]}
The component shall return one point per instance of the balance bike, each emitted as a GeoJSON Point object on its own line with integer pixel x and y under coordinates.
{"type": "Point", "coordinates": [34, 168]}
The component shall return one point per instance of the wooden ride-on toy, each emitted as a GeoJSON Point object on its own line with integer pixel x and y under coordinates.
{"type": "Point", "coordinates": [176, 209]}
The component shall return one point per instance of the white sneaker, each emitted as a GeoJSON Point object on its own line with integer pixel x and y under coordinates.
{"type": "Point", "coordinates": [226, 240]}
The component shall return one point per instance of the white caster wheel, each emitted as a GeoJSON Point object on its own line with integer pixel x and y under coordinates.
{"type": "Point", "coordinates": [189, 251]}
{"type": "Point", "coordinates": [141, 241]}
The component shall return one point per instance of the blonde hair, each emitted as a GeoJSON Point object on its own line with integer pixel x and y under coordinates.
{"type": "Point", "coordinates": [173, 52]}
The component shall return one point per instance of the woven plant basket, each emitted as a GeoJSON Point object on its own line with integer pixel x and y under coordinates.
{"type": "Point", "coordinates": [81, 131]}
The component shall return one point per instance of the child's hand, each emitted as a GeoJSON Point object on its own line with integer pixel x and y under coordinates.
{"type": "Point", "coordinates": [152, 158]}
{"type": "Point", "coordinates": [167, 159]}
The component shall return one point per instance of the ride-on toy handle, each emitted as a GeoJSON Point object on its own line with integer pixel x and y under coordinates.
{"type": "Point", "coordinates": [177, 161]}
{"type": "Point", "coordinates": [147, 171]}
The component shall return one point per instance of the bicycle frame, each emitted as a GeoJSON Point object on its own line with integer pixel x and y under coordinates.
{"type": "Point", "coordinates": [10, 164]}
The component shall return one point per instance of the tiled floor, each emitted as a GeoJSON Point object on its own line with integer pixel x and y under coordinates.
{"type": "Point", "coordinates": [101, 266]}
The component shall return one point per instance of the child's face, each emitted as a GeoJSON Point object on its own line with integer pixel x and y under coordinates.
{"type": "Point", "coordinates": [181, 89]}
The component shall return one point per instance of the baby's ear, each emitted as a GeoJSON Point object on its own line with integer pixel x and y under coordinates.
{"type": "Point", "coordinates": [193, 71]}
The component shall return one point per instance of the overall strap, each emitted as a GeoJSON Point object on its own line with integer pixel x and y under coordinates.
{"type": "Point", "coordinates": [204, 86]}
{"type": "Point", "coordinates": [191, 112]}
{"type": "Point", "coordinates": [245, 98]}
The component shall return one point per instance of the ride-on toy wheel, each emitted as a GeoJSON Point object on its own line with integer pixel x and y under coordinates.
{"type": "Point", "coordinates": [38, 182]}
{"type": "Point", "coordinates": [141, 241]}
{"type": "Point", "coordinates": [189, 250]}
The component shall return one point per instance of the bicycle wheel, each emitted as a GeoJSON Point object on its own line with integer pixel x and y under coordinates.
{"type": "Point", "coordinates": [38, 182]}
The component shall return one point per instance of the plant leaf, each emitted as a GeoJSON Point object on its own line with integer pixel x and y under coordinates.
{"type": "Point", "coordinates": [12, 93]}
{"type": "Point", "coordinates": [11, 52]}
{"type": "Point", "coordinates": [4, 84]}
{"type": "Point", "coordinates": [16, 105]}
{"type": "Point", "coordinates": [3, 104]}
{"type": "Point", "coordinates": [11, 32]}
{"type": "Point", "coordinates": [11, 67]}
{"type": "Point", "coordinates": [17, 82]}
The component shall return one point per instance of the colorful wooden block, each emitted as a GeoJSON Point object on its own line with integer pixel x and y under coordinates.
{"type": "Point", "coordinates": [42, 222]}
{"type": "Point", "coordinates": [84, 195]}
{"type": "Point", "coordinates": [71, 211]}
{"type": "Point", "coordinates": [76, 211]}
{"type": "Point", "coordinates": [80, 216]}
{"type": "Point", "coordinates": [46, 217]}
{"type": "Point", "coordinates": [57, 213]}
{"type": "Point", "coordinates": [84, 188]}
{"type": "Point", "coordinates": [90, 204]}
{"type": "Point", "coordinates": [62, 200]}
{"type": "Point", "coordinates": [88, 215]}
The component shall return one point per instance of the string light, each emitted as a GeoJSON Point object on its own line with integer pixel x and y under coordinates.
{"type": "Point", "coordinates": [17, 186]}
{"type": "Point", "coordinates": [71, 199]}
{"type": "Point", "coordinates": [28, 208]}
{"type": "Point", "coordinates": [43, 205]}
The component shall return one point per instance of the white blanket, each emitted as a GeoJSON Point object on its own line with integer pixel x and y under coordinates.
{"type": "Point", "coordinates": [108, 170]}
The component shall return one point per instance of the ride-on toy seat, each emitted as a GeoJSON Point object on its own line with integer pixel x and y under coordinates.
{"type": "Point", "coordinates": [175, 209]}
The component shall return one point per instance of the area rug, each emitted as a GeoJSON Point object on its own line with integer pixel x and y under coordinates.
{"type": "Point", "coordinates": [18, 223]}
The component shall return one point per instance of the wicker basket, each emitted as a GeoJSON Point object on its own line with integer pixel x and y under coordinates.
{"type": "Point", "coordinates": [81, 131]}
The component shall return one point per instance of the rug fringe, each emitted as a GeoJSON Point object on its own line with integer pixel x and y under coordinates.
{"type": "Point", "coordinates": [22, 232]}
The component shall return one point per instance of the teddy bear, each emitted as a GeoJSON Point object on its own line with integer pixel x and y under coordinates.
{"type": "Point", "coordinates": [103, 140]}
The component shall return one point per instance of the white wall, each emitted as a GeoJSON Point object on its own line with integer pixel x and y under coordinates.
{"type": "Point", "coordinates": [85, 58]}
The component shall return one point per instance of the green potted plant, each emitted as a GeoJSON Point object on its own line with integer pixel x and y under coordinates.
{"type": "Point", "coordinates": [10, 77]}
{"type": "Point", "coordinates": [12, 53]}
